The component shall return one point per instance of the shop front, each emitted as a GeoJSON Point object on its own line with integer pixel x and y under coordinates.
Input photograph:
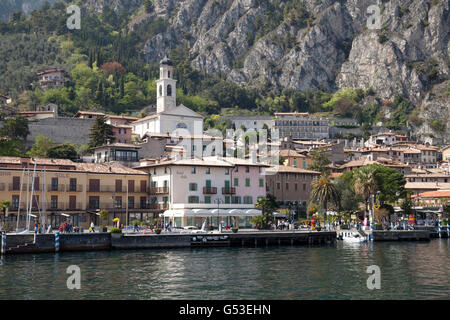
{"type": "Point", "coordinates": [214, 217]}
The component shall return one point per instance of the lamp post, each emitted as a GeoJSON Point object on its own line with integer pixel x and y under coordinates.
{"type": "Point", "coordinates": [219, 226]}
{"type": "Point", "coordinates": [113, 197]}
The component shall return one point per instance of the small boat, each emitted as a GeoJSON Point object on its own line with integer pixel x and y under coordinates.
{"type": "Point", "coordinates": [353, 237]}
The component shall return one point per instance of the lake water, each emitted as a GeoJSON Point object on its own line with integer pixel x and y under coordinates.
{"type": "Point", "coordinates": [409, 270]}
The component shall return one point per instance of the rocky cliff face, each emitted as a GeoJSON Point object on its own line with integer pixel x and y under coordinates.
{"type": "Point", "coordinates": [313, 44]}
{"type": "Point", "coordinates": [330, 47]}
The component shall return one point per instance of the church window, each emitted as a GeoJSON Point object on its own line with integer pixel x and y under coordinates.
{"type": "Point", "coordinates": [169, 90]}
{"type": "Point", "coordinates": [160, 90]}
{"type": "Point", "coordinates": [168, 74]}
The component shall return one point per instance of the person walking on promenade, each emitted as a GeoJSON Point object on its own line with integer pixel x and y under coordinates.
{"type": "Point", "coordinates": [92, 228]}
{"type": "Point", "coordinates": [136, 227]}
{"type": "Point", "coordinates": [36, 225]}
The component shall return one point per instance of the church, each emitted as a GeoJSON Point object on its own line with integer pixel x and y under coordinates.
{"type": "Point", "coordinates": [169, 118]}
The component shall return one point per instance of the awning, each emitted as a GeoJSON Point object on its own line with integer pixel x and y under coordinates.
{"type": "Point", "coordinates": [252, 212]}
{"type": "Point", "coordinates": [210, 212]}
{"type": "Point", "coordinates": [201, 211]}
{"type": "Point", "coordinates": [219, 211]}
{"type": "Point", "coordinates": [279, 215]}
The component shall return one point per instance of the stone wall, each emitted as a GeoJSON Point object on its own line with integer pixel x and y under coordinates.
{"type": "Point", "coordinates": [60, 130]}
{"type": "Point", "coordinates": [85, 241]}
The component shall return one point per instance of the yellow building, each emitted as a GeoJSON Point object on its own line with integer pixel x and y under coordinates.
{"type": "Point", "coordinates": [68, 191]}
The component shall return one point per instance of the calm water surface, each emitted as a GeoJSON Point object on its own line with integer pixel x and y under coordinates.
{"type": "Point", "coordinates": [409, 270]}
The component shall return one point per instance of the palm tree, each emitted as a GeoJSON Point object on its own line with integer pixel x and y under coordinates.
{"type": "Point", "coordinates": [365, 183]}
{"type": "Point", "coordinates": [324, 192]}
{"type": "Point", "coordinates": [267, 205]}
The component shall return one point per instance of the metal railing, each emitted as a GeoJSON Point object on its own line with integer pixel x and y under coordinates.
{"type": "Point", "coordinates": [111, 188]}
{"type": "Point", "coordinates": [228, 190]}
{"type": "Point", "coordinates": [56, 188]}
{"type": "Point", "coordinates": [158, 190]}
{"type": "Point", "coordinates": [12, 187]}
{"type": "Point", "coordinates": [209, 190]}
{"type": "Point", "coordinates": [74, 188]}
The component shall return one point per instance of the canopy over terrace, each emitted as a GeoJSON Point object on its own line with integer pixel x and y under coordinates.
{"type": "Point", "coordinates": [185, 217]}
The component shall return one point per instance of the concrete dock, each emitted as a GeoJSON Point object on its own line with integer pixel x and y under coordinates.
{"type": "Point", "coordinates": [111, 241]}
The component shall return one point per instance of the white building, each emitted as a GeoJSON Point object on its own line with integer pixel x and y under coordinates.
{"type": "Point", "coordinates": [169, 117]}
{"type": "Point", "coordinates": [188, 191]}
{"type": "Point", "coordinates": [252, 122]}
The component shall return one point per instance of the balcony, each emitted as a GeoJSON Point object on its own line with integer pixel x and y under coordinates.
{"type": "Point", "coordinates": [228, 190]}
{"type": "Point", "coordinates": [2, 187]}
{"type": "Point", "coordinates": [63, 206]}
{"type": "Point", "coordinates": [110, 189]}
{"type": "Point", "coordinates": [12, 187]}
{"type": "Point", "coordinates": [158, 190]}
{"type": "Point", "coordinates": [74, 188]}
{"type": "Point", "coordinates": [209, 190]}
{"type": "Point", "coordinates": [55, 188]}
{"type": "Point", "coordinates": [111, 208]}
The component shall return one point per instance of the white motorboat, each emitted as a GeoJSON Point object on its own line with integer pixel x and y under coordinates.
{"type": "Point", "coordinates": [353, 237]}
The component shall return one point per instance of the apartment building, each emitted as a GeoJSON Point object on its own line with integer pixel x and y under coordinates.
{"type": "Point", "coordinates": [301, 126]}
{"type": "Point", "coordinates": [443, 177]}
{"type": "Point", "coordinates": [363, 161]}
{"type": "Point", "coordinates": [290, 185]}
{"type": "Point", "coordinates": [76, 192]}
{"type": "Point", "coordinates": [293, 158]}
{"type": "Point", "coordinates": [126, 154]}
{"type": "Point", "coordinates": [188, 191]}
{"type": "Point", "coordinates": [252, 122]}
{"type": "Point", "coordinates": [429, 155]}
{"type": "Point", "coordinates": [385, 139]}
{"type": "Point", "coordinates": [51, 78]}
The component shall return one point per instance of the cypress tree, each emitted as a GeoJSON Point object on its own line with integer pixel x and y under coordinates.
{"type": "Point", "coordinates": [101, 132]}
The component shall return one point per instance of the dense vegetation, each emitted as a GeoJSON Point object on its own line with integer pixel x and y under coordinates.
{"type": "Point", "coordinates": [108, 71]}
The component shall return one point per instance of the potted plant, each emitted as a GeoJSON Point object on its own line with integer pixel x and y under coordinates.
{"type": "Point", "coordinates": [104, 217]}
{"type": "Point", "coordinates": [116, 233]}
{"type": "Point", "coordinates": [235, 229]}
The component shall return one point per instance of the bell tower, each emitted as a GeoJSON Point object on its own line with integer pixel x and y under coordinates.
{"type": "Point", "coordinates": [165, 87]}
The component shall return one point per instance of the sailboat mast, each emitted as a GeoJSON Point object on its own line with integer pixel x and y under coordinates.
{"type": "Point", "coordinates": [28, 198]}
{"type": "Point", "coordinates": [32, 194]}
{"type": "Point", "coordinates": [20, 199]}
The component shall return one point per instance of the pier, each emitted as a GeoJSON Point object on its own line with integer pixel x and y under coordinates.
{"type": "Point", "coordinates": [110, 241]}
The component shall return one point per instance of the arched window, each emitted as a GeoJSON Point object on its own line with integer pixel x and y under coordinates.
{"type": "Point", "coordinates": [160, 90]}
{"type": "Point", "coordinates": [169, 90]}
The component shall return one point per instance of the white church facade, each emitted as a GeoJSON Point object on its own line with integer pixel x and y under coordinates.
{"type": "Point", "coordinates": [169, 118]}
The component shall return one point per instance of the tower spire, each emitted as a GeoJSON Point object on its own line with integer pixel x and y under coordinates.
{"type": "Point", "coordinates": [165, 86]}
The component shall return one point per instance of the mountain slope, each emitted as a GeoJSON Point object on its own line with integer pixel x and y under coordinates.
{"type": "Point", "coordinates": [307, 45]}
{"type": "Point", "coordinates": [8, 7]}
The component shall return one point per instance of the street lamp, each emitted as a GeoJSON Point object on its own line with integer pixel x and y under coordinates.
{"type": "Point", "coordinates": [113, 197]}
{"type": "Point", "coordinates": [219, 226]}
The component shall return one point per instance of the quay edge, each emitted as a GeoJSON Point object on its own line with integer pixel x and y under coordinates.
{"type": "Point", "coordinates": [45, 243]}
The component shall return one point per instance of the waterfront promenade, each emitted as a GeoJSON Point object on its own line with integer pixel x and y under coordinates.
{"type": "Point", "coordinates": [41, 243]}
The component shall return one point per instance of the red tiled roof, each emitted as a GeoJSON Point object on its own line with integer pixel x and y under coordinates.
{"type": "Point", "coordinates": [434, 194]}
